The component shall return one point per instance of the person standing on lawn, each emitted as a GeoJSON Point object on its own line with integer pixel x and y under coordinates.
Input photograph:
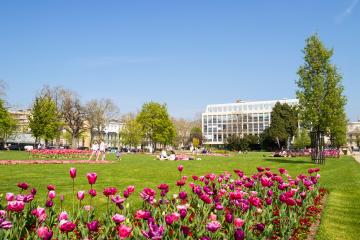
{"type": "Point", "coordinates": [95, 150]}
{"type": "Point", "coordinates": [102, 149]}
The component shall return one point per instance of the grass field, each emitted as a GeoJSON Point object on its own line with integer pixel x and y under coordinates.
{"type": "Point", "coordinates": [341, 218]}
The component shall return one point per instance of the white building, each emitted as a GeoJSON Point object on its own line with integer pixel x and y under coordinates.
{"type": "Point", "coordinates": [241, 118]}
{"type": "Point", "coordinates": [353, 134]}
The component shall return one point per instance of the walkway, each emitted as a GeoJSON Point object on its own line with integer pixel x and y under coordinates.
{"type": "Point", "coordinates": [10, 162]}
{"type": "Point", "coordinates": [357, 157]}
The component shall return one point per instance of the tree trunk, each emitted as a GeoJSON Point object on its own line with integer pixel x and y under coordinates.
{"type": "Point", "coordinates": [74, 142]}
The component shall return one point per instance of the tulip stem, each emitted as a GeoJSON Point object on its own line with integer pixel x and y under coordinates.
{"type": "Point", "coordinates": [73, 196]}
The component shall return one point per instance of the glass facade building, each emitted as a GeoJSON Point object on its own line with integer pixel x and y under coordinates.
{"type": "Point", "coordinates": [219, 121]}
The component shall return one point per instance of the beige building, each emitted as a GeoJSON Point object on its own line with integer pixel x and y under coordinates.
{"type": "Point", "coordinates": [22, 118]}
{"type": "Point", "coordinates": [353, 134]}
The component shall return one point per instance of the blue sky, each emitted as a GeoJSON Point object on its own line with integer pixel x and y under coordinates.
{"type": "Point", "coordinates": [185, 53]}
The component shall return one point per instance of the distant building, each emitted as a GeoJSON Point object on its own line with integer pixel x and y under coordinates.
{"type": "Point", "coordinates": [111, 132]}
{"type": "Point", "coordinates": [219, 121]}
{"type": "Point", "coordinates": [353, 134]}
{"type": "Point", "coordinates": [22, 118]}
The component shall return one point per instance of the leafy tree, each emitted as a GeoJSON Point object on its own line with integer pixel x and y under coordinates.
{"type": "Point", "coordinates": [196, 132]}
{"type": "Point", "coordinates": [320, 93]}
{"type": "Point", "coordinates": [195, 142]}
{"type": "Point", "coordinates": [284, 123]}
{"type": "Point", "coordinates": [44, 119]}
{"type": "Point", "coordinates": [7, 123]}
{"type": "Point", "coordinates": [302, 139]}
{"type": "Point", "coordinates": [156, 124]}
{"type": "Point", "coordinates": [267, 142]}
{"type": "Point", "coordinates": [131, 134]}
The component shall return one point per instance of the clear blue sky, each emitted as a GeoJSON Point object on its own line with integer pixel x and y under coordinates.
{"type": "Point", "coordinates": [185, 53]}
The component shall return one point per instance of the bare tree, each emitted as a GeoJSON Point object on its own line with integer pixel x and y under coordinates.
{"type": "Point", "coordinates": [98, 115]}
{"type": "Point", "coordinates": [2, 88]}
{"type": "Point", "coordinates": [74, 116]}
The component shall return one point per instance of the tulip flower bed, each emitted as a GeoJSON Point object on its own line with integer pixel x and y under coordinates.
{"type": "Point", "coordinates": [266, 205]}
{"type": "Point", "coordinates": [60, 154]}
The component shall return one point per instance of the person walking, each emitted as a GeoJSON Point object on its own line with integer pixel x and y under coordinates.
{"type": "Point", "coordinates": [102, 149]}
{"type": "Point", "coordinates": [95, 150]}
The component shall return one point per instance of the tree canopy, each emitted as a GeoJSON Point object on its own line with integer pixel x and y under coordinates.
{"type": "Point", "coordinates": [284, 123]}
{"type": "Point", "coordinates": [44, 119]}
{"type": "Point", "coordinates": [156, 124]}
{"type": "Point", "coordinates": [7, 123]}
{"type": "Point", "coordinates": [320, 92]}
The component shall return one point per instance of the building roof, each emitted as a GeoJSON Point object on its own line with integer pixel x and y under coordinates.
{"type": "Point", "coordinates": [247, 106]}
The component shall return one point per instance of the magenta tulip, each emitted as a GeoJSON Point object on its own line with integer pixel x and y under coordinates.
{"type": "Point", "coordinates": [51, 194]}
{"type": "Point", "coordinates": [80, 195]}
{"type": "Point", "coordinates": [73, 173]}
{"type": "Point", "coordinates": [180, 168]}
{"type": "Point", "coordinates": [44, 233]}
{"type": "Point", "coordinates": [91, 178]}
{"type": "Point", "coordinates": [124, 231]}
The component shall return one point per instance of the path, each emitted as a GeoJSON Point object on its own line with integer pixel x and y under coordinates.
{"type": "Point", "coordinates": [11, 162]}
{"type": "Point", "coordinates": [357, 157]}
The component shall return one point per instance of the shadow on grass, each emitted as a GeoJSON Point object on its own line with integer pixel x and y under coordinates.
{"type": "Point", "coordinates": [285, 160]}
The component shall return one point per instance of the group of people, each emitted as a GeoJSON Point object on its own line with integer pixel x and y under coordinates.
{"type": "Point", "coordinates": [97, 150]}
{"type": "Point", "coordinates": [164, 156]}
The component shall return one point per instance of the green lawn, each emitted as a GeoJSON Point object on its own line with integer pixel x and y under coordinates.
{"type": "Point", "coordinates": [341, 218]}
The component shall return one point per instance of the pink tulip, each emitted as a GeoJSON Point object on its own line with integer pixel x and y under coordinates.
{"type": "Point", "coordinates": [16, 206]}
{"type": "Point", "coordinates": [63, 216]}
{"type": "Point", "coordinates": [50, 187]}
{"type": "Point", "coordinates": [130, 189]}
{"type": "Point", "coordinates": [2, 213]}
{"type": "Point", "coordinates": [73, 172]}
{"type": "Point", "coordinates": [213, 226]}
{"type": "Point", "coordinates": [44, 233]}
{"type": "Point", "coordinates": [117, 218]}
{"type": "Point", "coordinates": [180, 168]}
{"type": "Point", "coordinates": [91, 178]}
{"type": "Point", "coordinates": [238, 222]}
{"type": "Point", "coordinates": [51, 194]}
{"type": "Point", "coordinates": [124, 231]}
{"type": "Point", "coordinates": [10, 197]}
{"type": "Point", "coordinates": [80, 195]}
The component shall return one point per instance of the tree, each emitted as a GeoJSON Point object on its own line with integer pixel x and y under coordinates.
{"type": "Point", "coordinates": [284, 123]}
{"type": "Point", "coordinates": [98, 114]}
{"type": "Point", "coordinates": [237, 143]}
{"type": "Point", "coordinates": [182, 127]}
{"type": "Point", "coordinates": [2, 88]}
{"type": "Point", "coordinates": [44, 119]}
{"type": "Point", "coordinates": [156, 124]}
{"type": "Point", "coordinates": [131, 134]}
{"type": "Point", "coordinates": [196, 132]}
{"type": "Point", "coordinates": [74, 115]}
{"type": "Point", "coordinates": [195, 142]}
{"type": "Point", "coordinates": [267, 142]}
{"type": "Point", "coordinates": [320, 93]}
{"type": "Point", "coordinates": [7, 123]}
{"type": "Point", "coordinates": [302, 139]}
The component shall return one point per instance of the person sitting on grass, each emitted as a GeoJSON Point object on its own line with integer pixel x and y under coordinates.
{"type": "Point", "coordinates": [163, 155]}
{"type": "Point", "coordinates": [172, 156]}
